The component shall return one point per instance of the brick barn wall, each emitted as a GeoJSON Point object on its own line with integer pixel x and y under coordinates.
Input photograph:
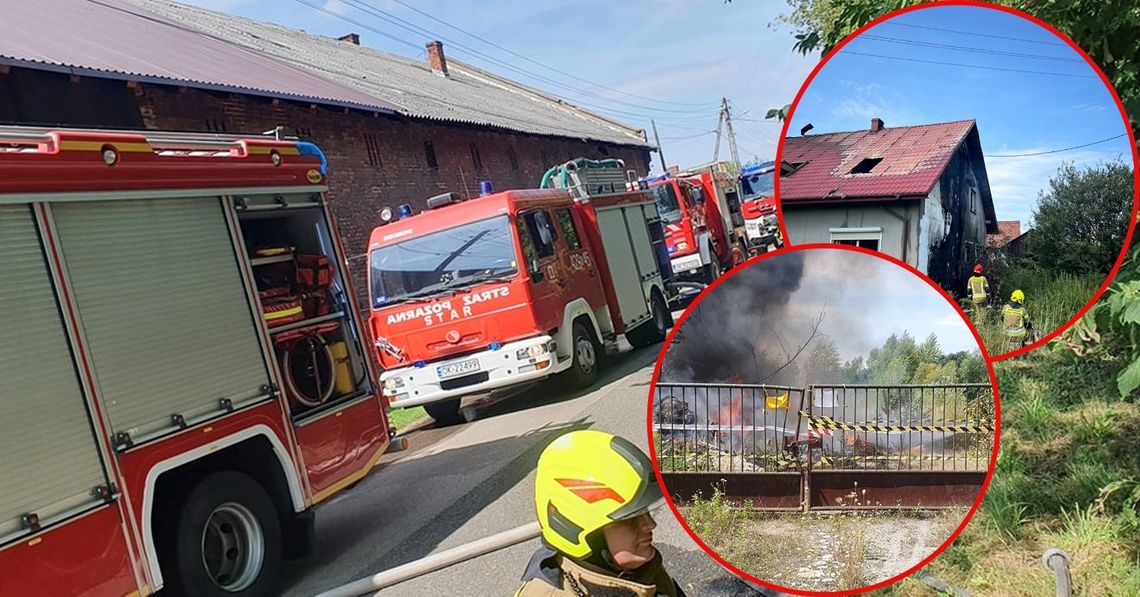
{"type": "Point", "coordinates": [379, 160]}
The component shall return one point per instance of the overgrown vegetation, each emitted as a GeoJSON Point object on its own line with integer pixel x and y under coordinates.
{"type": "Point", "coordinates": [1068, 474]}
{"type": "Point", "coordinates": [1051, 300]}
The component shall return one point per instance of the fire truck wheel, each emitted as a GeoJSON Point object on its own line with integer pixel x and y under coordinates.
{"type": "Point", "coordinates": [654, 330]}
{"type": "Point", "coordinates": [445, 412]}
{"type": "Point", "coordinates": [228, 540]}
{"type": "Point", "coordinates": [584, 370]}
{"type": "Point", "coordinates": [712, 270]}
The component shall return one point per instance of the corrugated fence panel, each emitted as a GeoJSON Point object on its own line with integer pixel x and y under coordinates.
{"type": "Point", "coordinates": [162, 308]}
{"type": "Point", "coordinates": [50, 462]}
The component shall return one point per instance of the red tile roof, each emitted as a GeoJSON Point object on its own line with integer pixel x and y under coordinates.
{"type": "Point", "coordinates": [1007, 231]}
{"type": "Point", "coordinates": [913, 158]}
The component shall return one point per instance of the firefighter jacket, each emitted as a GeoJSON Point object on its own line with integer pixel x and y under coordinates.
{"type": "Point", "coordinates": [1014, 320]}
{"type": "Point", "coordinates": [550, 574]}
{"type": "Point", "coordinates": [979, 289]}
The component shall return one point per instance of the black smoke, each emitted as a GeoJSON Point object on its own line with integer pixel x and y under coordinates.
{"type": "Point", "coordinates": [739, 332]}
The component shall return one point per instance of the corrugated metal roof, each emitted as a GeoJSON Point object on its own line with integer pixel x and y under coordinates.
{"type": "Point", "coordinates": [913, 158]}
{"type": "Point", "coordinates": [467, 95]}
{"type": "Point", "coordinates": [115, 39]}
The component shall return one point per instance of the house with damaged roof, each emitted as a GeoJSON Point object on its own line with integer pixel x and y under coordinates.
{"type": "Point", "coordinates": [918, 193]}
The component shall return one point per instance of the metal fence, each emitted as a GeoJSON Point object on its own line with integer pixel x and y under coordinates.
{"type": "Point", "coordinates": [726, 427]}
{"type": "Point", "coordinates": [825, 446]}
{"type": "Point", "coordinates": [947, 427]}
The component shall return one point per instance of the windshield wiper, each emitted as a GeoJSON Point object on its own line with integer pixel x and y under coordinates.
{"type": "Point", "coordinates": [420, 295]}
{"type": "Point", "coordinates": [478, 279]}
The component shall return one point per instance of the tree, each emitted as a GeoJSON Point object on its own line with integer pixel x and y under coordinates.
{"type": "Point", "coordinates": [823, 365]}
{"type": "Point", "coordinates": [1080, 222]}
{"type": "Point", "coordinates": [1105, 29]}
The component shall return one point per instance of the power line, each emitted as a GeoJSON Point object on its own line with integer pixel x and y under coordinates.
{"type": "Point", "coordinates": [533, 61]}
{"type": "Point", "coordinates": [358, 24]}
{"type": "Point", "coordinates": [412, 27]}
{"type": "Point", "coordinates": [704, 134]}
{"type": "Point", "coordinates": [1012, 70]}
{"type": "Point", "coordinates": [912, 42]}
{"type": "Point", "coordinates": [975, 34]}
{"type": "Point", "coordinates": [1022, 155]}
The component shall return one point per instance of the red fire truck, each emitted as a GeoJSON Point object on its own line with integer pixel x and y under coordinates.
{"type": "Point", "coordinates": [473, 296]}
{"type": "Point", "coordinates": [185, 376]}
{"type": "Point", "coordinates": [758, 205]}
{"type": "Point", "coordinates": [695, 232]}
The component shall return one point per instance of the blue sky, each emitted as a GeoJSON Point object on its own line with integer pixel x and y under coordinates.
{"type": "Point", "coordinates": [1017, 112]}
{"type": "Point", "coordinates": [684, 56]}
{"type": "Point", "coordinates": [866, 299]}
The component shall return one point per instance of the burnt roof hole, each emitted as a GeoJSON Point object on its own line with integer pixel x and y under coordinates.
{"type": "Point", "coordinates": [865, 165]}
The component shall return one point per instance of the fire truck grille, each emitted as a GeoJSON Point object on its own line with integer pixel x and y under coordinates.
{"type": "Point", "coordinates": [466, 380]}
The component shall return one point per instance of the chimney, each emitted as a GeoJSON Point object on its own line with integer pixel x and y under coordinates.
{"type": "Point", "coordinates": [435, 58]}
{"type": "Point", "coordinates": [351, 38]}
{"type": "Point", "coordinates": [876, 125]}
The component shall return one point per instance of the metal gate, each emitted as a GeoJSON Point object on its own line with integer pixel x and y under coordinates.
{"type": "Point", "coordinates": [825, 446]}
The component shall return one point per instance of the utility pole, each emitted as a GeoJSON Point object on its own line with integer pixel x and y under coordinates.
{"type": "Point", "coordinates": [731, 136]}
{"type": "Point", "coordinates": [660, 152]}
{"type": "Point", "coordinates": [719, 125]}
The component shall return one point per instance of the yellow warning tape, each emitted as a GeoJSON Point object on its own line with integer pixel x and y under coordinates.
{"type": "Point", "coordinates": [829, 423]}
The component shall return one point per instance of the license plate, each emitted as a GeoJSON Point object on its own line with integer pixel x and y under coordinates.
{"type": "Point", "coordinates": [453, 369]}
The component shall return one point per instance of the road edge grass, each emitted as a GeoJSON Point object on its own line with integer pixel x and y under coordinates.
{"type": "Point", "coordinates": [403, 418]}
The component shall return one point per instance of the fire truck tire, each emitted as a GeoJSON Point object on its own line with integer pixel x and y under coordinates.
{"type": "Point", "coordinates": [712, 270]}
{"type": "Point", "coordinates": [445, 412]}
{"type": "Point", "coordinates": [654, 330]}
{"type": "Point", "coordinates": [227, 542]}
{"type": "Point", "coordinates": [583, 372]}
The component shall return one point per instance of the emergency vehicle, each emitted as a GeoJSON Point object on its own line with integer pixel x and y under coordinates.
{"type": "Point", "coordinates": [696, 233]}
{"type": "Point", "coordinates": [758, 205]}
{"type": "Point", "coordinates": [480, 295]}
{"type": "Point", "coordinates": [184, 371]}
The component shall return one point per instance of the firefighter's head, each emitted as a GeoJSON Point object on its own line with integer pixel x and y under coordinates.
{"type": "Point", "coordinates": [592, 493]}
{"type": "Point", "coordinates": [978, 268]}
{"type": "Point", "coordinates": [1018, 296]}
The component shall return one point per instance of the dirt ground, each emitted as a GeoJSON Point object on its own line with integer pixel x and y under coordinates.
{"type": "Point", "coordinates": [828, 552]}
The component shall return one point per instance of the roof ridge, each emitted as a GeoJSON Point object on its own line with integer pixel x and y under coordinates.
{"type": "Point", "coordinates": [888, 128]}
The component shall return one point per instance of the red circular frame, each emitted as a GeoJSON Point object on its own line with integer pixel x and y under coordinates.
{"type": "Point", "coordinates": [657, 374]}
{"type": "Point", "coordinates": [1108, 85]}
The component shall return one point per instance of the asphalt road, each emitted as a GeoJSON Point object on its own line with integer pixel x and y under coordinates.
{"type": "Point", "coordinates": [463, 483]}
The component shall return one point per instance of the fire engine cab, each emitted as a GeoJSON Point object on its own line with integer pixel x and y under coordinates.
{"type": "Point", "coordinates": [695, 233]}
{"type": "Point", "coordinates": [758, 205]}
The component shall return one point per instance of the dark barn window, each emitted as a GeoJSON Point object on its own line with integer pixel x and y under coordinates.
{"type": "Point", "coordinates": [429, 154]}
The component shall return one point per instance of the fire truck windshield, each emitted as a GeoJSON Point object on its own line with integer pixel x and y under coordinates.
{"type": "Point", "coordinates": [762, 184]}
{"type": "Point", "coordinates": [443, 261]}
{"type": "Point", "coordinates": [667, 204]}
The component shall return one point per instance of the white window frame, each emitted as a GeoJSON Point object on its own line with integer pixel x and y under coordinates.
{"type": "Point", "coordinates": [874, 233]}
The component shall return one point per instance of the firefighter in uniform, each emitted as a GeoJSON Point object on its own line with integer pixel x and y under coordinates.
{"type": "Point", "coordinates": [592, 493]}
{"type": "Point", "coordinates": [1015, 320]}
{"type": "Point", "coordinates": [978, 287]}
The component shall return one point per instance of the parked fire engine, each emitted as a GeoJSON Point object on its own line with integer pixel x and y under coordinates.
{"type": "Point", "coordinates": [758, 205]}
{"type": "Point", "coordinates": [696, 233]}
{"type": "Point", "coordinates": [184, 371]}
{"type": "Point", "coordinates": [484, 294]}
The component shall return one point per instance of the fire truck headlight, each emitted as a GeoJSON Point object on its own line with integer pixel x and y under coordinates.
{"type": "Point", "coordinates": [531, 351]}
{"type": "Point", "coordinates": [393, 383]}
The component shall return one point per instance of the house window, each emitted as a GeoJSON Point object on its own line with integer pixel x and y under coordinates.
{"type": "Point", "coordinates": [476, 161]}
{"type": "Point", "coordinates": [973, 200]}
{"type": "Point", "coordinates": [790, 168]}
{"type": "Point", "coordinates": [566, 223]}
{"type": "Point", "coordinates": [513, 158]}
{"type": "Point", "coordinates": [429, 155]}
{"type": "Point", "coordinates": [372, 148]}
{"type": "Point", "coordinates": [868, 238]}
{"type": "Point", "coordinates": [865, 165]}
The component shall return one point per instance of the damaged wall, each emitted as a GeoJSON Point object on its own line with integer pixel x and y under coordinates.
{"type": "Point", "coordinates": [953, 222]}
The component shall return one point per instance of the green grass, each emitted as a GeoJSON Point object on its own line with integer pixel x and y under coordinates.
{"type": "Point", "coordinates": [402, 417]}
{"type": "Point", "coordinates": [1051, 300]}
{"type": "Point", "coordinates": [1067, 476]}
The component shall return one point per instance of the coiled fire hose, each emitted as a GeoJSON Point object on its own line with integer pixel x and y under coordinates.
{"type": "Point", "coordinates": [305, 356]}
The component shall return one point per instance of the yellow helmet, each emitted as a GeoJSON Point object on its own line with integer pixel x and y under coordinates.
{"type": "Point", "coordinates": [1018, 296]}
{"type": "Point", "coordinates": [586, 480]}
